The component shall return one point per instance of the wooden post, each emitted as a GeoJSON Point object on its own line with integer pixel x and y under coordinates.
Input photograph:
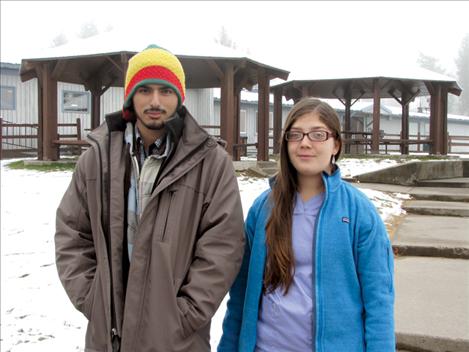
{"type": "Point", "coordinates": [1, 138]}
{"type": "Point", "coordinates": [347, 118]}
{"type": "Point", "coordinates": [431, 89]}
{"type": "Point", "coordinates": [49, 115]}
{"type": "Point", "coordinates": [78, 134]}
{"type": "Point", "coordinates": [444, 121]}
{"type": "Point", "coordinates": [277, 119]}
{"type": "Point", "coordinates": [227, 117]}
{"type": "Point", "coordinates": [437, 120]}
{"type": "Point", "coordinates": [237, 137]}
{"type": "Point", "coordinates": [263, 116]}
{"type": "Point", "coordinates": [375, 138]}
{"type": "Point", "coordinates": [95, 108]}
{"type": "Point", "coordinates": [405, 123]}
{"type": "Point", "coordinates": [40, 124]}
{"type": "Point", "coordinates": [418, 138]}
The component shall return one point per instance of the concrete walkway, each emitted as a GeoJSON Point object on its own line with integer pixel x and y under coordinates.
{"type": "Point", "coordinates": [433, 236]}
{"type": "Point", "coordinates": [432, 305]}
{"type": "Point", "coordinates": [432, 266]}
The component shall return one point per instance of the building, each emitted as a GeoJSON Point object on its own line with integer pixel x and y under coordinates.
{"type": "Point", "coordinates": [19, 105]}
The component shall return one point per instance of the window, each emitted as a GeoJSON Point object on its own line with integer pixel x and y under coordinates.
{"type": "Point", "coordinates": [8, 98]}
{"type": "Point", "coordinates": [271, 123]}
{"type": "Point", "coordinates": [270, 127]}
{"type": "Point", "coordinates": [76, 101]}
{"type": "Point", "coordinates": [242, 121]}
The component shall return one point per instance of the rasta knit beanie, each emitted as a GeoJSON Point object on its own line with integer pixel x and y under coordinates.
{"type": "Point", "coordinates": [154, 65]}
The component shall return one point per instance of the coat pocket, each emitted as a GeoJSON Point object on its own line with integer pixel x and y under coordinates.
{"type": "Point", "coordinates": [165, 215]}
{"type": "Point", "coordinates": [390, 266]}
{"type": "Point", "coordinates": [89, 300]}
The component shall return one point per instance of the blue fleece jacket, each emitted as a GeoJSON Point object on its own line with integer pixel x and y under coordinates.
{"type": "Point", "coordinates": [352, 276]}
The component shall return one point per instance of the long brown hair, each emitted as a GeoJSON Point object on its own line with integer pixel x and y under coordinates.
{"type": "Point", "coordinates": [280, 262]}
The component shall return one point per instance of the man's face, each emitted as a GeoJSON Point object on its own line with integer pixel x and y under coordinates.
{"type": "Point", "coordinates": [153, 105]}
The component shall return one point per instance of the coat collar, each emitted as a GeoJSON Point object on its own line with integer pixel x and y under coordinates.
{"type": "Point", "coordinates": [332, 181]}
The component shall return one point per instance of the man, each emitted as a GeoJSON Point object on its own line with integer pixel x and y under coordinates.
{"type": "Point", "coordinates": [149, 234]}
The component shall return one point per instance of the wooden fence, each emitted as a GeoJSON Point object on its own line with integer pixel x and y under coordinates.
{"type": "Point", "coordinates": [20, 139]}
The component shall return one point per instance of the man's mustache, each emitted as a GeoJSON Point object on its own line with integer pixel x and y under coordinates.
{"type": "Point", "coordinates": [160, 110]}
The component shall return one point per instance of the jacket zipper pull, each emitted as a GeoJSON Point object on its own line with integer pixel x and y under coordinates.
{"type": "Point", "coordinates": [115, 340]}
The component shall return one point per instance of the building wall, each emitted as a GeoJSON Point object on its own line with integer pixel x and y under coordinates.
{"type": "Point", "coordinates": [25, 109]}
{"type": "Point", "coordinates": [248, 127]}
{"type": "Point", "coordinates": [200, 102]}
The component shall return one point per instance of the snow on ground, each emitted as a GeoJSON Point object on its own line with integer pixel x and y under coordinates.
{"type": "Point", "coordinates": [36, 315]}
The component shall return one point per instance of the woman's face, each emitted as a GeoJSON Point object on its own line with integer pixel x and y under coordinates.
{"type": "Point", "coordinates": [311, 158]}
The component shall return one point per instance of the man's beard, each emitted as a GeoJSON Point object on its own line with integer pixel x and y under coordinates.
{"type": "Point", "coordinates": [153, 125]}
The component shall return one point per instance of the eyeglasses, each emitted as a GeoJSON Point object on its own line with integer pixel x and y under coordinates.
{"type": "Point", "coordinates": [314, 136]}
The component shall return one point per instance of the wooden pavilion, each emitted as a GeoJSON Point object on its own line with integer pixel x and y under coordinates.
{"type": "Point", "coordinates": [349, 90]}
{"type": "Point", "coordinates": [98, 72]}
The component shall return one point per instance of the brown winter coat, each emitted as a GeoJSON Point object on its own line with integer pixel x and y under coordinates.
{"type": "Point", "coordinates": [188, 246]}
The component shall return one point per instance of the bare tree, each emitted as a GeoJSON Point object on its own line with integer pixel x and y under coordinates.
{"type": "Point", "coordinates": [88, 29]}
{"type": "Point", "coordinates": [225, 39]}
{"type": "Point", "coordinates": [462, 72]}
{"type": "Point", "coordinates": [59, 40]}
{"type": "Point", "coordinates": [432, 63]}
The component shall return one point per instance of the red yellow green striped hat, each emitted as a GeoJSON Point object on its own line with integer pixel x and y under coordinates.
{"type": "Point", "coordinates": [154, 65]}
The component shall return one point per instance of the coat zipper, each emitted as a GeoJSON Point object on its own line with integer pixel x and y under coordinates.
{"type": "Point", "coordinates": [115, 339]}
{"type": "Point", "coordinates": [314, 329]}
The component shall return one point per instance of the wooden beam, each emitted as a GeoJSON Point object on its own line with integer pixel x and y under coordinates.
{"type": "Point", "coordinates": [241, 80]}
{"type": "Point", "coordinates": [216, 69]}
{"type": "Point", "coordinates": [277, 119]}
{"type": "Point", "coordinates": [362, 92]}
{"type": "Point", "coordinates": [237, 137]}
{"type": "Point", "coordinates": [49, 114]}
{"type": "Point", "coordinates": [227, 124]}
{"type": "Point", "coordinates": [347, 114]}
{"type": "Point", "coordinates": [391, 93]}
{"type": "Point", "coordinates": [437, 119]}
{"type": "Point", "coordinates": [411, 96]}
{"type": "Point", "coordinates": [95, 109]}
{"type": "Point", "coordinates": [58, 68]}
{"type": "Point", "coordinates": [263, 116]}
{"type": "Point", "coordinates": [120, 68]}
{"type": "Point", "coordinates": [376, 116]}
{"type": "Point", "coordinates": [40, 120]}
{"type": "Point", "coordinates": [337, 96]}
{"type": "Point", "coordinates": [405, 123]}
{"type": "Point", "coordinates": [444, 120]}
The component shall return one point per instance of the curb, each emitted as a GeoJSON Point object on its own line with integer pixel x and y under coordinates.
{"type": "Point", "coordinates": [416, 209]}
{"type": "Point", "coordinates": [425, 251]}
{"type": "Point", "coordinates": [424, 343]}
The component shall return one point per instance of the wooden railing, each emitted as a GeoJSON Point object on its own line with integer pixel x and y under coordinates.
{"type": "Point", "coordinates": [23, 137]}
{"type": "Point", "coordinates": [458, 141]}
{"type": "Point", "coordinates": [422, 142]}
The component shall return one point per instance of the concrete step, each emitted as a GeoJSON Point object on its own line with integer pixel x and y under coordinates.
{"type": "Point", "coordinates": [424, 193]}
{"type": "Point", "coordinates": [432, 309]}
{"type": "Point", "coordinates": [267, 164]}
{"type": "Point", "coordinates": [429, 207]}
{"type": "Point", "coordinates": [443, 197]}
{"type": "Point", "coordinates": [432, 236]}
{"type": "Point", "coordinates": [460, 182]}
{"type": "Point", "coordinates": [264, 168]}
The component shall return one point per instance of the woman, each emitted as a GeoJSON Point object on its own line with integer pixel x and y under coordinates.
{"type": "Point", "coordinates": [317, 273]}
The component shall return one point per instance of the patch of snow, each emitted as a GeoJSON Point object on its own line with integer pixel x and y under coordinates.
{"type": "Point", "coordinates": [350, 167]}
{"type": "Point", "coordinates": [36, 313]}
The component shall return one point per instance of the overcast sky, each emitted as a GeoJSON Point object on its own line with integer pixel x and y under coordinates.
{"type": "Point", "coordinates": [279, 33]}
